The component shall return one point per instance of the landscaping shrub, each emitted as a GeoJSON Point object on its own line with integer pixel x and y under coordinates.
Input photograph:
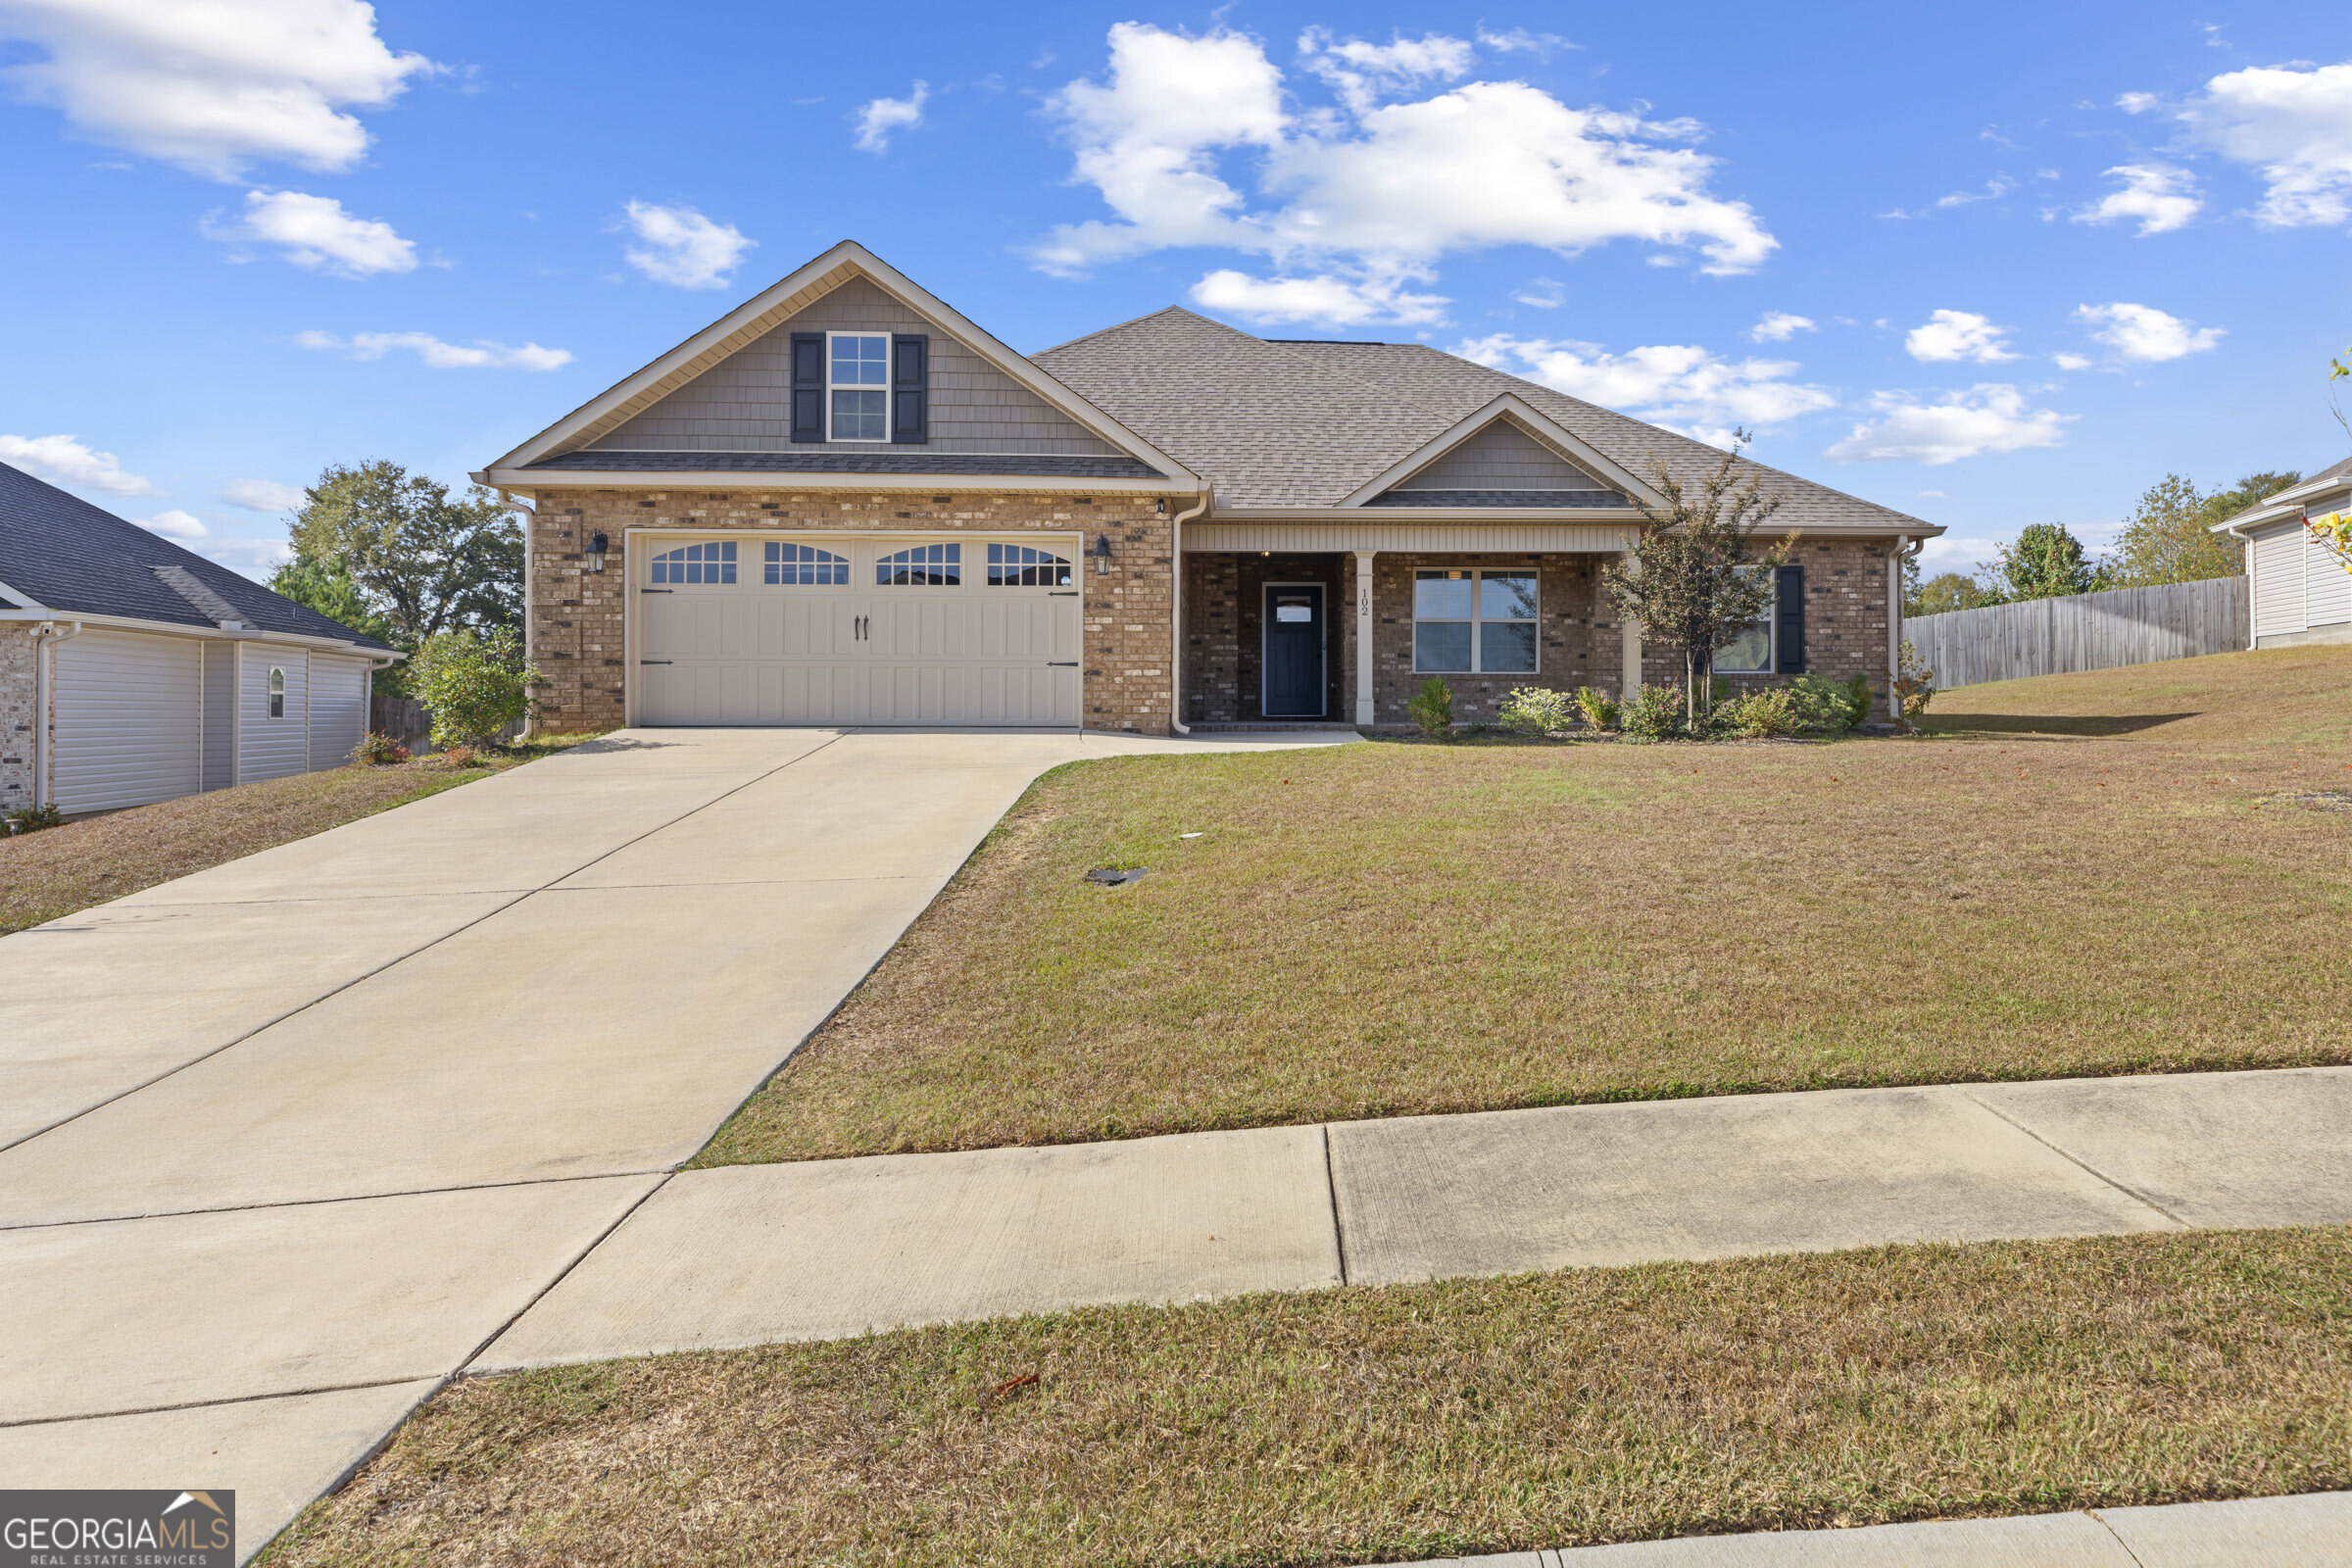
{"type": "Point", "coordinates": [1600, 710]}
{"type": "Point", "coordinates": [376, 750]}
{"type": "Point", "coordinates": [476, 685]}
{"type": "Point", "coordinates": [1821, 705]}
{"type": "Point", "coordinates": [1431, 706]}
{"type": "Point", "coordinates": [1857, 700]}
{"type": "Point", "coordinates": [32, 818]}
{"type": "Point", "coordinates": [1655, 714]}
{"type": "Point", "coordinates": [1760, 714]}
{"type": "Point", "coordinates": [1534, 710]}
{"type": "Point", "coordinates": [1914, 685]}
{"type": "Point", "coordinates": [457, 757]}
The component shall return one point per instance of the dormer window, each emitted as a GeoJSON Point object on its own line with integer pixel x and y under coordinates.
{"type": "Point", "coordinates": [858, 386]}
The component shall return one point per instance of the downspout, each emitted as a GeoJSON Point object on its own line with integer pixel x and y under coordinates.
{"type": "Point", "coordinates": [1176, 610]}
{"type": "Point", "coordinates": [43, 683]}
{"type": "Point", "coordinates": [530, 621]}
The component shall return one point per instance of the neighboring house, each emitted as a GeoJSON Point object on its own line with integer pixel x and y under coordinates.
{"type": "Point", "coordinates": [132, 670]}
{"type": "Point", "coordinates": [2300, 590]}
{"type": "Point", "coordinates": [844, 503]}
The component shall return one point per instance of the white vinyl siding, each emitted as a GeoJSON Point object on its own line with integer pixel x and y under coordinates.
{"type": "Point", "coordinates": [2298, 583]}
{"type": "Point", "coordinates": [130, 717]}
{"type": "Point", "coordinates": [275, 747]}
{"type": "Point", "coordinates": [338, 709]}
{"type": "Point", "coordinates": [220, 715]}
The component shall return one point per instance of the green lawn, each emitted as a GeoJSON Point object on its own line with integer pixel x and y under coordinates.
{"type": "Point", "coordinates": [1380, 1425]}
{"type": "Point", "coordinates": [2081, 874]}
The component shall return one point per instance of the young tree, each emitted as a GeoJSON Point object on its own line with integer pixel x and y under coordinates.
{"type": "Point", "coordinates": [1697, 582]}
{"type": "Point", "coordinates": [2047, 562]}
{"type": "Point", "coordinates": [475, 684]}
{"type": "Point", "coordinates": [2168, 536]}
{"type": "Point", "coordinates": [423, 562]}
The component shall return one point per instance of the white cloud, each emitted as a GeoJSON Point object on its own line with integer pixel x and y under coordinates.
{"type": "Point", "coordinates": [1998, 186]}
{"type": "Point", "coordinates": [1326, 300]}
{"type": "Point", "coordinates": [1543, 45]}
{"type": "Point", "coordinates": [1951, 335]}
{"type": "Point", "coordinates": [64, 459]}
{"type": "Point", "coordinates": [1544, 293]}
{"type": "Point", "coordinates": [2157, 196]}
{"type": "Point", "coordinates": [1779, 326]}
{"type": "Point", "coordinates": [315, 231]}
{"type": "Point", "coordinates": [876, 120]}
{"type": "Point", "coordinates": [2294, 124]}
{"type": "Point", "coordinates": [211, 85]}
{"type": "Point", "coordinates": [680, 246]}
{"type": "Point", "coordinates": [1987, 417]}
{"type": "Point", "coordinates": [1369, 195]}
{"type": "Point", "coordinates": [2143, 332]}
{"type": "Point", "coordinates": [2070, 362]}
{"type": "Point", "coordinates": [481, 354]}
{"type": "Point", "coordinates": [256, 557]}
{"type": "Point", "coordinates": [173, 524]}
{"type": "Point", "coordinates": [262, 495]}
{"type": "Point", "coordinates": [1679, 385]}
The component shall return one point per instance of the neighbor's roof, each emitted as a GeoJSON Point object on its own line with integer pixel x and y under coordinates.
{"type": "Point", "coordinates": [79, 560]}
{"type": "Point", "coordinates": [2290, 500]}
{"type": "Point", "coordinates": [1309, 423]}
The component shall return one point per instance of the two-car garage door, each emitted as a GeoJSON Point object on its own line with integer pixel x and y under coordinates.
{"type": "Point", "coordinates": [814, 629]}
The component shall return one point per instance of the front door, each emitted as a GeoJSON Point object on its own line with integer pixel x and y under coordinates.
{"type": "Point", "coordinates": [1293, 650]}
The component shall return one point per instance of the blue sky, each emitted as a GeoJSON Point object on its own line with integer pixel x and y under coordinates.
{"type": "Point", "coordinates": [1992, 265]}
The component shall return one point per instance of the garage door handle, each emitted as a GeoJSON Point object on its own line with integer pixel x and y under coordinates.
{"type": "Point", "coordinates": [1064, 593]}
{"type": "Point", "coordinates": [1061, 664]}
{"type": "Point", "coordinates": [656, 590]}
{"type": "Point", "coordinates": [652, 660]}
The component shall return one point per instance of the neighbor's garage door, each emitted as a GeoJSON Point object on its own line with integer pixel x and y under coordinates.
{"type": "Point", "coordinates": [850, 630]}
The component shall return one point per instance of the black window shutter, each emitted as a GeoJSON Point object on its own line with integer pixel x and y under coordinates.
{"type": "Point", "coordinates": [910, 388]}
{"type": "Point", "coordinates": [808, 386]}
{"type": "Point", "coordinates": [1792, 611]}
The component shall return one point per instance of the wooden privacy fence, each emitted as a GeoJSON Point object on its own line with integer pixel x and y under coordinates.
{"type": "Point", "coordinates": [406, 721]}
{"type": "Point", "coordinates": [2081, 632]}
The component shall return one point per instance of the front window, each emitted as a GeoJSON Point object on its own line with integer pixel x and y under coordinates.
{"type": "Point", "coordinates": [277, 692]}
{"type": "Point", "coordinates": [1469, 622]}
{"type": "Point", "coordinates": [857, 383]}
{"type": "Point", "coordinates": [1022, 566]}
{"type": "Point", "coordinates": [711, 563]}
{"type": "Point", "coordinates": [921, 566]}
{"type": "Point", "coordinates": [1749, 652]}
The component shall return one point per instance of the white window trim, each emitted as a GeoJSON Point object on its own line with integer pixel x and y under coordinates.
{"type": "Point", "coordinates": [1772, 631]}
{"type": "Point", "coordinates": [1477, 640]}
{"type": "Point", "coordinates": [887, 369]}
{"type": "Point", "coordinates": [274, 694]}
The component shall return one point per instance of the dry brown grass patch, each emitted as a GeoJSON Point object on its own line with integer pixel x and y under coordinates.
{"type": "Point", "coordinates": [1383, 1425]}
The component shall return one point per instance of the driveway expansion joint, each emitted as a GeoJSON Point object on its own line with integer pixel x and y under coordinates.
{"type": "Point", "coordinates": [2082, 1164]}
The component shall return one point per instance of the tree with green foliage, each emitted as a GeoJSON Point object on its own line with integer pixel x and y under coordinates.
{"type": "Point", "coordinates": [335, 596]}
{"type": "Point", "coordinates": [2168, 536]}
{"type": "Point", "coordinates": [1949, 591]}
{"type": "Point", "coordinates": [1698, 580]}
{"type": "Point", "coordinates": [2047, 562]}
{"type": "Point", "coordinates": [476, 684]}
{"type": "Point", "coordinates": [421, 561]}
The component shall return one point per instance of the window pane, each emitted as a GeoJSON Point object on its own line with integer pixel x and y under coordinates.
{"type": "Point", "coordinates": [1750, 650]}
{"type": "Point", "coordinates": [921, 566]}
{"type": "Point", "coordinates": [860, 417]}
{"type": "Point", "coordinates": [860, 361]}
{"type": "Point", "coordinates": [1507, 646]}
{"type": "Point", "coordinates": [1441, 595]}
{"type": "Point", "coordinates": [1506, 596]}
{"type": "Point", "coordinates": [1025, 566]}
{"type": "Point", "coordinates": [1442, 645]}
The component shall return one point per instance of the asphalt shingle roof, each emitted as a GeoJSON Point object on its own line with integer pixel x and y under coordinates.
{"type": "Point", "coordinates": [76, 559]}
{"type": "Point", "coordinates": [1306, 424]}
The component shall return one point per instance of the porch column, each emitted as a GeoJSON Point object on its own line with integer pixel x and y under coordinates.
{"type": "Point", "coordinates": [1629, 632]}
{"type": "Point", "coordinates": [1363, 636]}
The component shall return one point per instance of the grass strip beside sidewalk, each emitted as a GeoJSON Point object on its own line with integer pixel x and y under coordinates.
{"type": "Point", "coordinates": [1373, 1425]}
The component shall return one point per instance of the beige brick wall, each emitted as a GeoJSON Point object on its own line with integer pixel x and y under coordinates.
{"type": "Point", "coordinates": [576, 632]}
{"type": "Point", "coordinates": [17, 688]}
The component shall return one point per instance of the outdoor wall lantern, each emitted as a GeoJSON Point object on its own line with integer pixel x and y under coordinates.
{"type": "Point", "coordinates": [594, 555]}
{"type": "Point", "coordinates": [1102, 555]}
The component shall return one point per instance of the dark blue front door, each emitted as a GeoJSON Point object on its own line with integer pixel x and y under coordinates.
{"type": "Point", "coordinates": [1294, 652]}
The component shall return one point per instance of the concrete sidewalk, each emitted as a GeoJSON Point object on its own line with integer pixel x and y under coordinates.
{"type": "Point", "coordinates": [756, 1254]}
{"type": "Point", "coordinates": [284, 1144]}
{"type": "Point", "coordinates": [2314, 1531]}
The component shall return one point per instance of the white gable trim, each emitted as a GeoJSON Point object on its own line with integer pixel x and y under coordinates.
{"type": "Point", "coordinates": [788, 297]}
{"type": "Point", "coordinates": [23, 598]}
{"type": "Point", "coordinates": [1519, 411]}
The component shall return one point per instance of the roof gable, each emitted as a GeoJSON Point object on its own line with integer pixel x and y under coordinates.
{"type": "Point", "coordinates": [640, 397]}
{"type": "Point", "coordinates": [60, 554]}
{"type": "Point", "coordinates": [1507, 438]}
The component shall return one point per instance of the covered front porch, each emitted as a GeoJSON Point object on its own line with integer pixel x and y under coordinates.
{"type": "Point", "coordinates": [1321, 623]}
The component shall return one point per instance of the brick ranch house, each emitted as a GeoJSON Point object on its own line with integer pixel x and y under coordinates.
{"type": "Point", "coordinates": [845, 504]}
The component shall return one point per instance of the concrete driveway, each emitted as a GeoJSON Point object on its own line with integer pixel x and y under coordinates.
{"type": "Point", "coordinates": [284, 1144]}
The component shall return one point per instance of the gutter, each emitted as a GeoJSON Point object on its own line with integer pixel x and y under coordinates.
{"type": "Point", "coordinates": [46, 637]}
{"type": "Point", "coordinates": [1176, 610]}
{"type": "Point", "coordinates": [536, 481]}
{"type": "Point", "coordinates": [212, 631]}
